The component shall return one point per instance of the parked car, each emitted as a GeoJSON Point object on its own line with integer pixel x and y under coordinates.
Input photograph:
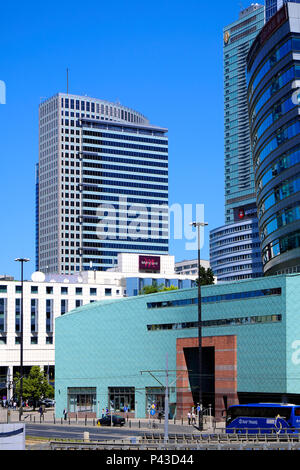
{"type": "Point", "coordinates": [48, 402]}
{"type": "Point", "coordinates": [116, 420]}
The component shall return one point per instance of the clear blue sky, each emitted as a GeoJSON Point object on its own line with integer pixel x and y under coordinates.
{"type": "Point", "coordinates": [162, 58]}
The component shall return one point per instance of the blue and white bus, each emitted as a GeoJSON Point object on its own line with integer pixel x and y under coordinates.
{"type": "Point", "coordinates": [263, 418]}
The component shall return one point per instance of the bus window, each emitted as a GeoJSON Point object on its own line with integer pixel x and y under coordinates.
{"type": "Point", "coordinates": [297, 411]}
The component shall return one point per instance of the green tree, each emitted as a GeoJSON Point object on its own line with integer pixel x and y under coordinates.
{"type": "Point", "coordinates": [35, 385]}
{"type": "Point", "coordinates": [206, 277]}
{"type": "Point", "coordinates": [156, 288]}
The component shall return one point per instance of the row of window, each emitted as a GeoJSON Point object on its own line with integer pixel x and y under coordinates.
{"type": "Point", "coordinates": [282, 191]}
{"type": "Point", "coordinates": [101, 143]}
{"type": "Point", "coordinates": [216, 298]}
{"type": "Point", "coordinates": [217, 323]}
{"type": "Point", "coordinates": [97, 108]}
{"type": "Point", "coordinates": [279, 82]}
{"type": "Point", "coordinates": [281, 245]}
{"type": "Point", "coordinates": [281, 219]}
{"type": "Point", "coordinates": [86, 123]}
{"type": "Point", "coordinates": [49, 290]}
{"type": "Point", "coordinates": [272, 60]}
{"type": "Point", "coordinates": [128, 176]}
{"type": "Point", "coordinates": [285, 161]}
{"type": "Point", "coordinates": [114, 182]}
{"type": "Point", "coordinates": [278, 111]}
{"type": "Point", "coordinates": [121, 192]}
{"type": "Point", "coordinates": [120, 169]}
{"type": "Point", "coordinates": [109, 151]}
{"type": "Point", "coordinates": [103, 158]}
{"type": "Point", "coordinates": [287, 133]}
{"type": "Point", "coordinates": [126, 137]}
{"type": "Point", "coordinates": [33, 340]}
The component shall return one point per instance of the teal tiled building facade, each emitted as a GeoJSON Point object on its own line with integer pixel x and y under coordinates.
{"type": "Point", "coordinates": [113, 354]}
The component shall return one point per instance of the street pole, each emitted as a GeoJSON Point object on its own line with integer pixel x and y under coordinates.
{"type": "Point", "coordinates": [22, 261]}
{"type": "Point", "coordinates": [166, 435]}
{"type": "Point", "coordinates": [200, 415]}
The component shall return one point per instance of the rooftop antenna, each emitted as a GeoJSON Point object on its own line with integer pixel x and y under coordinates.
{"type": "Point", "coordinates": [67, 81]}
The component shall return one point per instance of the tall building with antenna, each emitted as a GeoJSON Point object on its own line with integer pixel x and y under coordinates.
{"type": "Point", "coordinates": [235, 248]}
{"type": "Point", "coordinates": [102, 185]}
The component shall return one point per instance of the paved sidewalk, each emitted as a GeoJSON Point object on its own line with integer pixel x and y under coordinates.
{"type": "Point", "coordinates": [154, 425]}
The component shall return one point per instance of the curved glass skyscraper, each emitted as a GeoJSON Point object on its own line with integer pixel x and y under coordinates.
{"type": "Point", "coordinates": [273, 98]}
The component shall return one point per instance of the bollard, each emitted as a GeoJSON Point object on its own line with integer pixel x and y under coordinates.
{"type": "Point", "coordinates": [139, 424]}
{"type": "Point", "coordinates": [85, 419]}
{"type": "Point", "coordinates": [86, 436]}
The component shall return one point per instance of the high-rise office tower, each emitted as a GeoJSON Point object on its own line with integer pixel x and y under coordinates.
{"type": "Point", "coordinates": [235, 249]}
{"type": "Point", "coordinates": [103, 184]}
{"type": "Point", "coordinates": [274, 109]}
{"type": "Point", "coordinates": [272, 6]}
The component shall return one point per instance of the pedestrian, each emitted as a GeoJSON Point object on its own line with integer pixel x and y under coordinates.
{"type": "Point", "coordinates": [14, 405]}
{"type": "Point", "coordinates": [41, 411]}
{"type": "Point", "coordinates": [189, 418]}
{"type": "Point", "coordinates": [65, 414]}
{"type": "Point", "coordinates": [193, 418]}
{"type": "Point", "coordinates": [103, 413]}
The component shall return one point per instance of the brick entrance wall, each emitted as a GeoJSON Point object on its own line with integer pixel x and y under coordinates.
{"type": "Point", "coordinates": [225, 373]}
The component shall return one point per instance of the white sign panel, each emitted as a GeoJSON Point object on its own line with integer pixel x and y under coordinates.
{"type": "Point", "coordinates": [12, 436]}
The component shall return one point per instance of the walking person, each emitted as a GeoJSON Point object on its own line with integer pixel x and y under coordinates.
{"type": "Point", "coordinates": [193, 418]}
{"type": "Point", "coordinates": [65, 413]}
{"type": "Point", "coordinates": [189, 418]}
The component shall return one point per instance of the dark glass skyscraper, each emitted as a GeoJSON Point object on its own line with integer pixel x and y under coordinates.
{"type": "Point", "coordinates": [273, 95]}
{"type": "Point", "coordinates": [272, 6]}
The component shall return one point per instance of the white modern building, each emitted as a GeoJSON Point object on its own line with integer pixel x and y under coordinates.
{"type": "Point", "coordinates": [190, 267]}
{"type": "Point", "coordinates": [101, 185]}
{"type": "Point", "coordinates": [48, 296]}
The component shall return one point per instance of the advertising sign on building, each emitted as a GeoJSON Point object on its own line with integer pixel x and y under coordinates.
{"type": "Point", "coordinates": [149, 263]}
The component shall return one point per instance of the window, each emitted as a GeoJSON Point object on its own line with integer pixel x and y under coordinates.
{"type": "Point", "coordinates": [78, 290]}
{"type": "Point", "coordinates": [3, 303]}
{"type": "Point", "coordinates": [108, 292]}
{"type": "Point", "coordinates": [82, 399]}
{"type": "Point", "coordinates": [64, 290]}
{"type": "Point", "coordinates": [49, 315]}
{"type": "Point", "coordinates": [63, 306]}
{"type": "Point", "coordinates": [34, 289]}
{"type": "Point", "coordinates": [34, 315]}
{"type": "Point", "coordinates": [120, 397]}
{"type": "Point", "coordinates": [93, 291]}
{"type": "Point", "coordinates": [49, 290]}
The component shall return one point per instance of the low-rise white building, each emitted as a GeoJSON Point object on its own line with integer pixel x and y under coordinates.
{"type": "Point", "coordinates": [48, 296]}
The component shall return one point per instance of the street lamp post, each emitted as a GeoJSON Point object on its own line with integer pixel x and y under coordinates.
{"type": "Point", "coordinates": [22, 261]}
{"type": "Point", "coordinates": [198, 225]}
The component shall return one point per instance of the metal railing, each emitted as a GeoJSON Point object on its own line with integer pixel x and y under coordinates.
{"type": "Point", "coordinates": [190, 442]}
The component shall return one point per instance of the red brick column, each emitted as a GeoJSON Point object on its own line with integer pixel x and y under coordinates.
{"type": "Point", "coordinates": [225, 372]}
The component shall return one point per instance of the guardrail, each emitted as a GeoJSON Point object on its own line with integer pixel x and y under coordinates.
{"type": "Point", "coordinates": [190, 442]}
